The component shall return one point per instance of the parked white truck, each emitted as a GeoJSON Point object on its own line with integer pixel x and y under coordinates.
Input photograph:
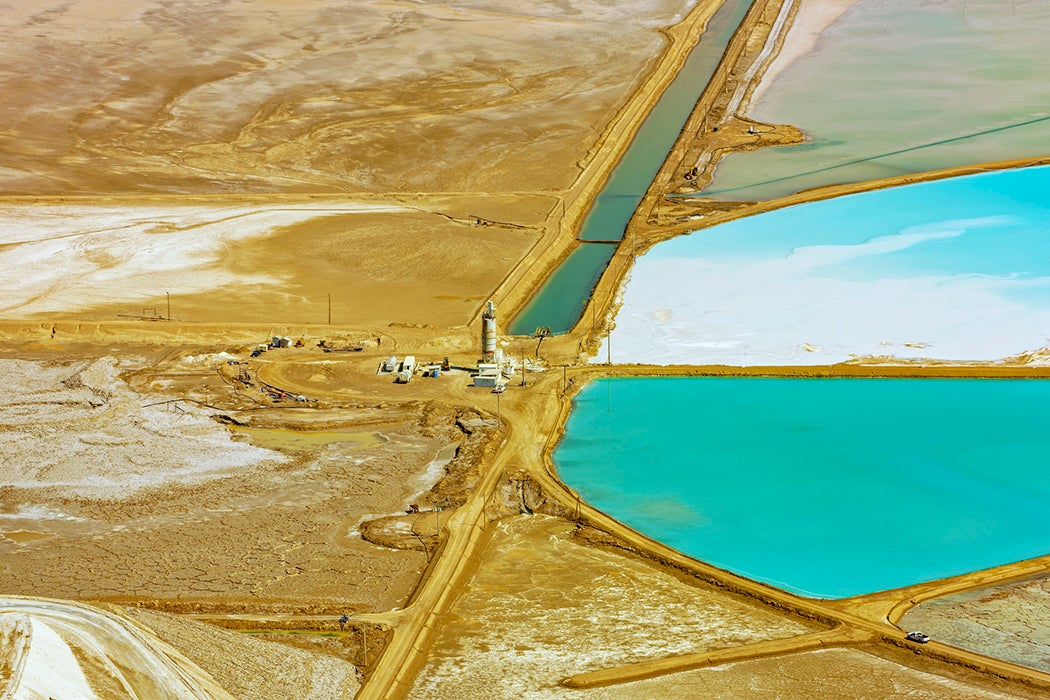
{"type": "Point", "coordinates": [408, 368]}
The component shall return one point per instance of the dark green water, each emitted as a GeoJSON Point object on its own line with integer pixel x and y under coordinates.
{"type": "Point", "coordinates": [561, 300]}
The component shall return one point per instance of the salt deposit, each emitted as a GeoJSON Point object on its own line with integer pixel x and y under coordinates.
{"type": "Point", "coordinates": [76, 652]}
{"type": "Point", "coordinates": [81, 428]}
{"type": "Point", "coordinates": [779, 312]}
{"type": "Point", "coordinates": [948, 270]}
{"type": "Point", "coordinates": [69, 257]}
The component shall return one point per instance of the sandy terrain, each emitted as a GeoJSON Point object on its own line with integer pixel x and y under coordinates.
{"type": "Point", "coordinates": [264, 96]}
{"type": "Point", "coordinates": [317, 126]}
{"type": "Point", "coordinates": [259, 262]}
{"type": "Point", "coordinates": [99, 655]}
{"type": "Point", "coordinates": [1010, 621]}
{"type": "Point", "coordinates": [251, 668]}
{"type": "Point", "coordinates": [66, 258]}
{"type": "Point", "coordinates": [163, 502]}
{"type": "Point", "coordinates": [141, 653]}
{"type": "Point", "coordinates": [78, 430]}
{"type": "Point", "coordinates": [549, 607]}
{"type": "Point", "coordinates": [157, 479]}
{"type": "Point", "coordinates": [493, 108]}
{"type": "Point", "coordinates": [843, 673]}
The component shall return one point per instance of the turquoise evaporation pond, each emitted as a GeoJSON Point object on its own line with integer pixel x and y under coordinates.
{"type": "Point", "coordinates": [828, 488]}
{"type": "Point", "coordinates": [993, 225]}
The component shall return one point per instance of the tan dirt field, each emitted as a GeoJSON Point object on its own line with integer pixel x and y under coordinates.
{"type": "Point", "coordinates": [397, 163]}
{"type": "Point", "coordinates": [266, 96]}
{"type": "Point", "coordinates": [547, 606]}
{"type": "Point", "coordinates": [261, 526]}
{"type": "Point", "coordinates": [1008, 621]}
{"type": "Point", "coordinates": [845, 673]}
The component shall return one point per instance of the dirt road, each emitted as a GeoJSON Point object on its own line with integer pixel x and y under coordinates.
{"type": "Point", "coordinates": [99, 654]}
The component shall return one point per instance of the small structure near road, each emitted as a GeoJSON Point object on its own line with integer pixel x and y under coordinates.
{"type": "Point", "coordinates": [408, 368]}
{"type": "Point", "coordinates": [489, 375]}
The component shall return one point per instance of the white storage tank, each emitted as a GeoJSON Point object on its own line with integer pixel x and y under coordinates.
{"type": "Point", "coordinates": [488, 333]}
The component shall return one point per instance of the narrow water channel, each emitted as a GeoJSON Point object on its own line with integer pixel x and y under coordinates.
{"type": "Point", "coordinates": [561, 300]}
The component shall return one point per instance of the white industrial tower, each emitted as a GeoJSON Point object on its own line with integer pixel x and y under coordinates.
{"type": "Point", "coordinates": [488, 333]}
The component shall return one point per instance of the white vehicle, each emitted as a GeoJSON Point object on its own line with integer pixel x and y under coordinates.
{"type": "Point", "coordinates": [919, 637]}
{"type": "Point", "coordinates": [404, 377]}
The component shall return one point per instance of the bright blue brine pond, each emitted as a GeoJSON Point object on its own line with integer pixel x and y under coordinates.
{"type": "Point", "coordinates": [825, 487]}
{"type": "Point", "coordinates": [952, 269]}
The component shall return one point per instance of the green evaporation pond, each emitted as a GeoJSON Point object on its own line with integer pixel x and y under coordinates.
{"type": "Point", "coordinates": [898, 86]}
{"type": "Point", "coordinates": [561, 300]}
{"type": "Point", "coordinates": [824, 487]}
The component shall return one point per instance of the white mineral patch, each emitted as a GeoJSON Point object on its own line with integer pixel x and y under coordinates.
{"type": "Point", "coordinates": [38, 513]}
{"type": "Point", "coordinates": [434, 470]}
{"type": "Point", "coordinates": [81, 428]}
{"type": "Point", "coordinates": [71, 257]}
{"type": "Point", "coordinates": [50, 669]}
{"type": "Point", "coordinates": [49, 641]}
{"type": "Point", "coordinates": [769, 310]}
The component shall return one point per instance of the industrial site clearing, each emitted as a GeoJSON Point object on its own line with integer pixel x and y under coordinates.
{"type": "Point", "coordinates": [331, 336]}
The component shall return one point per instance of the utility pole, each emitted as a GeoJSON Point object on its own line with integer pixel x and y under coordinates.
{"type": "Point", "coordinates": [329, 308]}
{"type": "Point", "coordinates": [364, 649]}
{"type": "Point", "coordinates": [523, 365]}
{"type": "Point", "coordinates": [168, 295]}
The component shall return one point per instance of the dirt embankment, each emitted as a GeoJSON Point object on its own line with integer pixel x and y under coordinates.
{"type": "Point", "coordinates": [420, 527]}
{"type": "Point", "coordinates": [277, 526]}
{"type": "Point", "coordinates": [253, 666]}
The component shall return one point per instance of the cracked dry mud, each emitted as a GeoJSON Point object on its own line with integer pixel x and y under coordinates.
{"type": "Point", "coordinates": [1010, 621]}
{"type": "Point", "coordinates": [274, 527]}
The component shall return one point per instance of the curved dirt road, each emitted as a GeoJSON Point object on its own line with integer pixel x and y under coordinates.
{"type": "Point", "coordinates": [69, 650]}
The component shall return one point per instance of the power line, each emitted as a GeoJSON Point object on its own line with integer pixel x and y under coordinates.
{"type": "Point", "coordinates": [870, 158]}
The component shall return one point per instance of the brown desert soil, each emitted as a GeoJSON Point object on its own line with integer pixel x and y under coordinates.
{"type": "Point", "coordinates": [550, 606]}
{"type": "Point", "coordinates": [231, 539]}
{"type": "Point", "coordinates": [252, 668]}
{"type": "Point", "coordinates": [207, 97]}
{"type": "Point", "coordinates": [281, 532]}
{"type": "Point", "coordinates": [452, 166]}
{"type": "Point", "coordinates": [1008, 621]}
